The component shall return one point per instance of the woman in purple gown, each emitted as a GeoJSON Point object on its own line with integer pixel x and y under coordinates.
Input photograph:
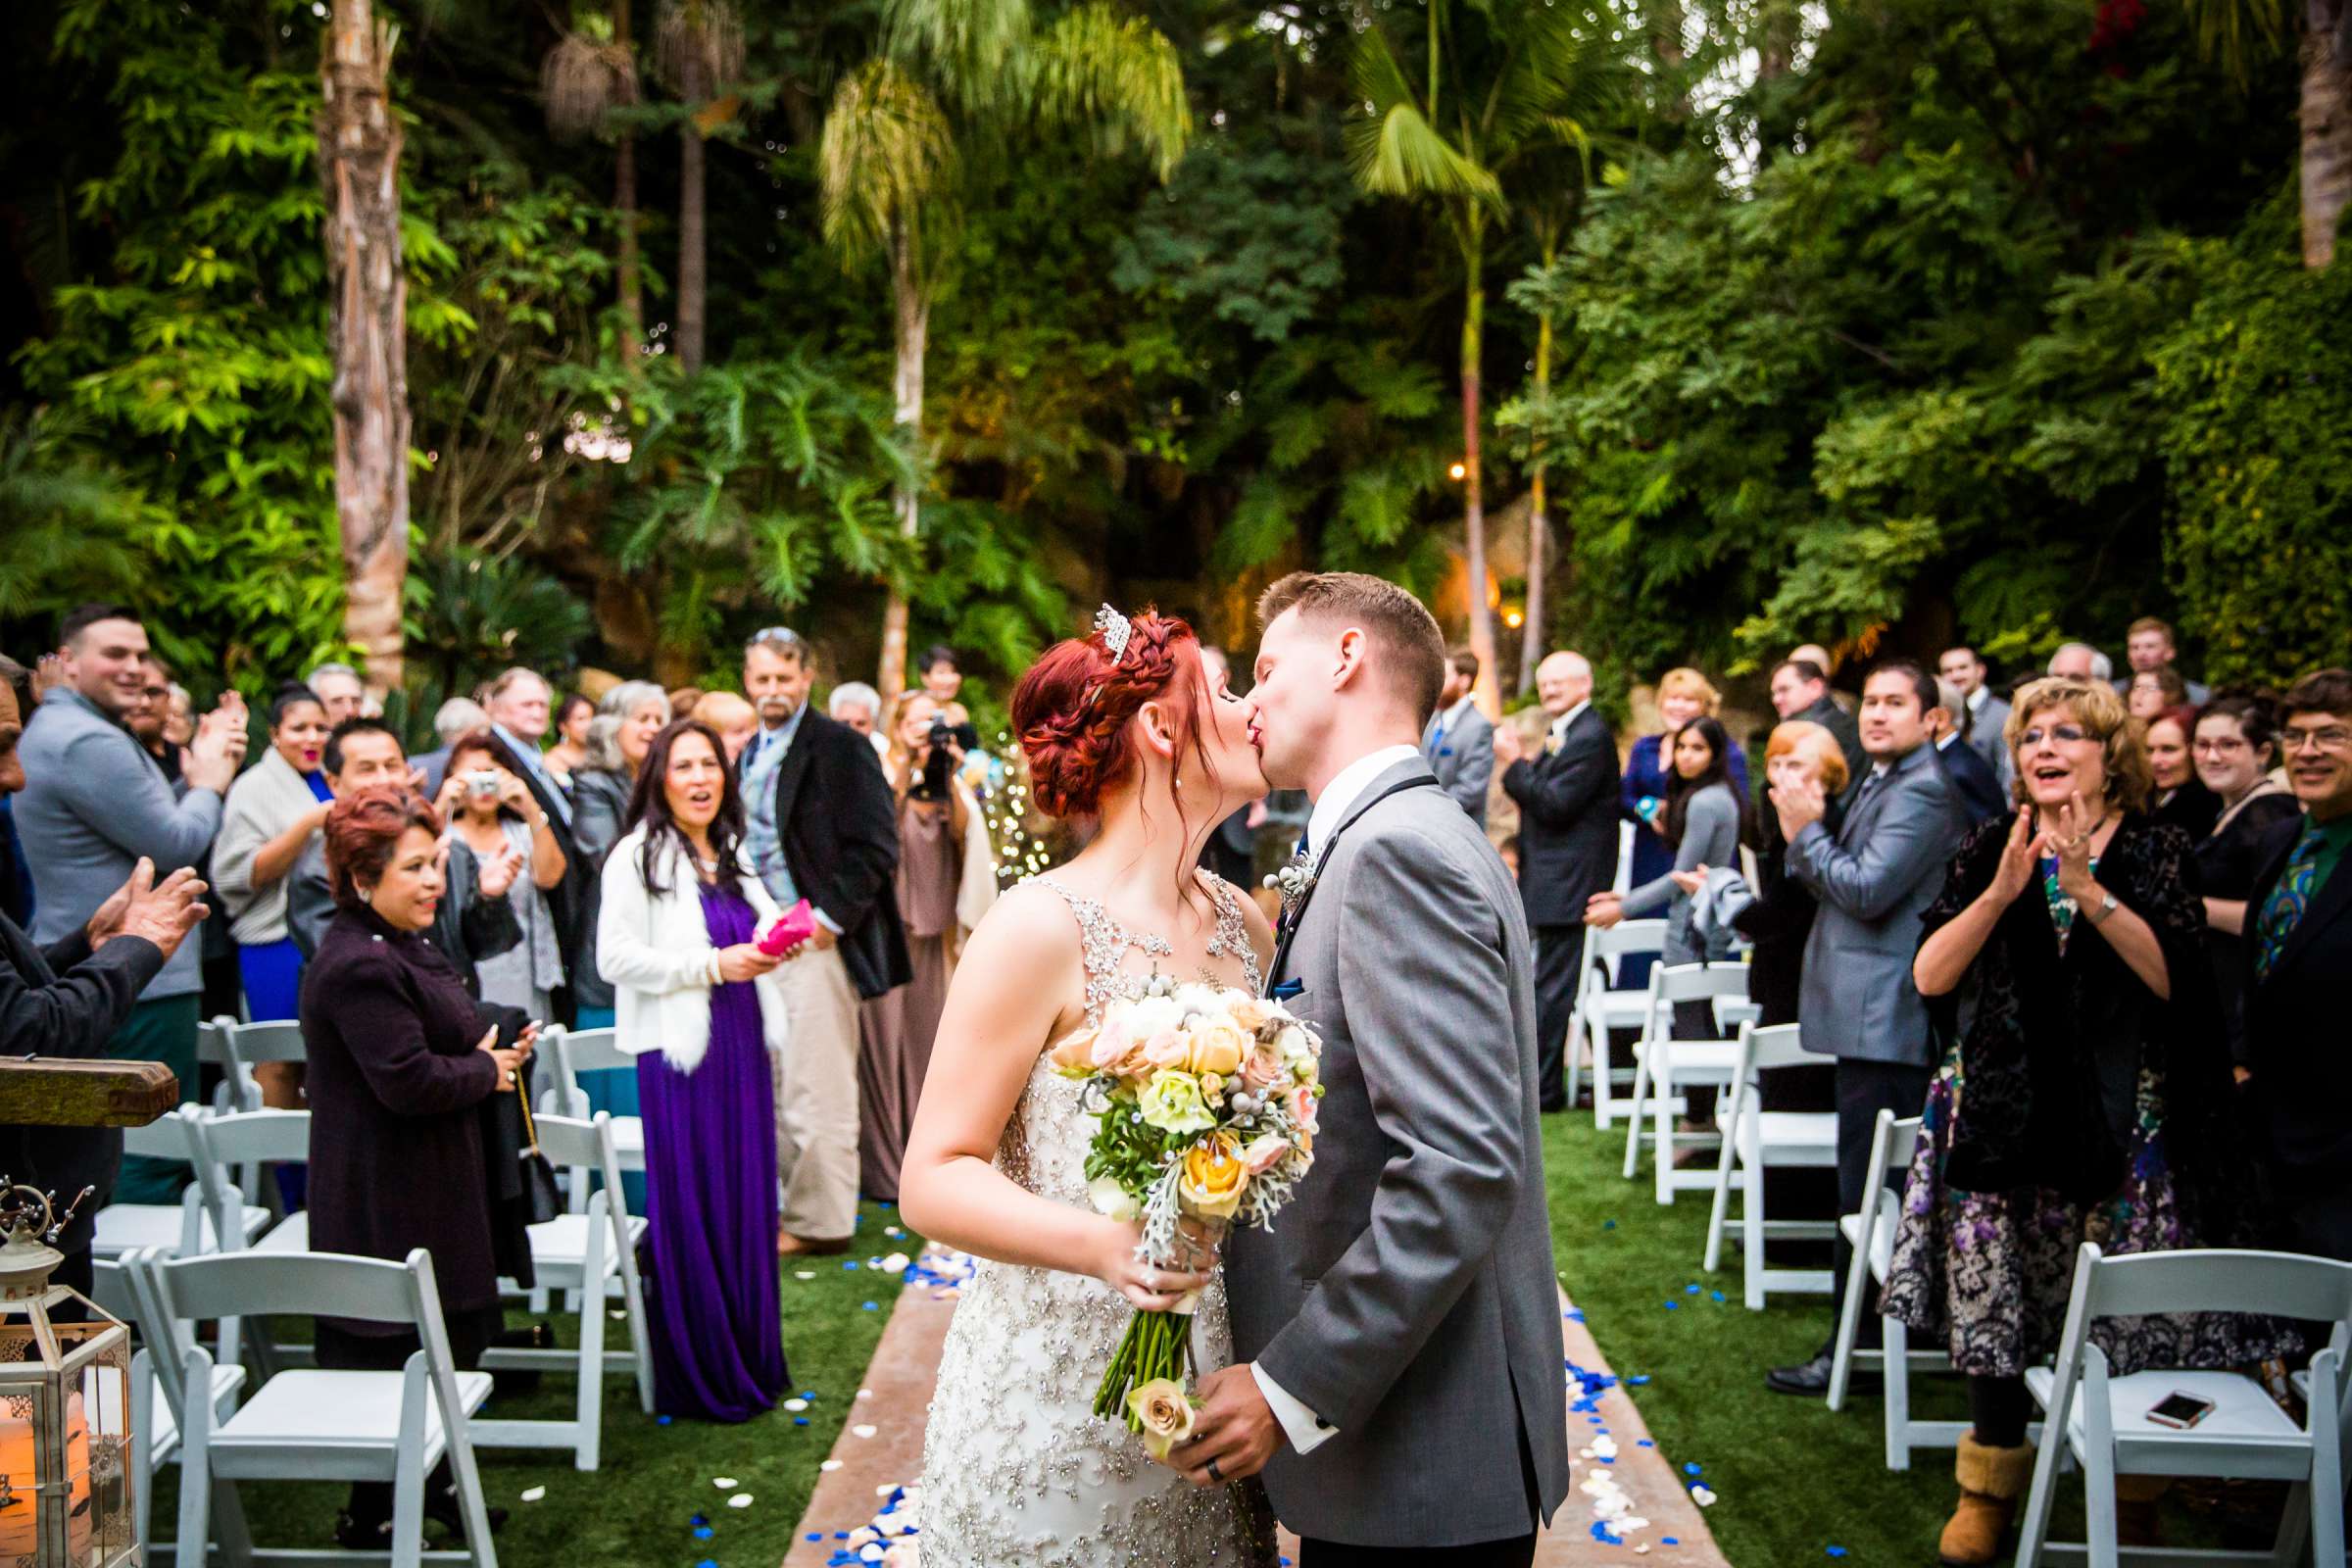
{"type": "Point", "coordinates": [698, 1005]}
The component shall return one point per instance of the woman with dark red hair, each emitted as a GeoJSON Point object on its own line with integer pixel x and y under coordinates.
{"type": "Point", "coordinates": [402, 1062]}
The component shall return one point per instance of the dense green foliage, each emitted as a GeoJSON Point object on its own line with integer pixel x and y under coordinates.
{"type": "Point", "coordinates": [1977, 319]}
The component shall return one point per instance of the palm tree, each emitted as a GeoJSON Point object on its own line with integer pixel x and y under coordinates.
{"type": "Point", "coordinates": [584, 80]}
{"type": "Point", "coordinates": [367, 328]}
{"type": "Point", "coordinates": [1523, 77]}
{"type": "Point", "coordinates": [698, 46]}
{"type": "Point", "coordinates": [2231, 29]}
{"type": "Point", "coordinates": [913, 133]}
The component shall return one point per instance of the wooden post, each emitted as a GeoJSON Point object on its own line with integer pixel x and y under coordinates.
{"type": "Point", "coordinates": [71, 1092]}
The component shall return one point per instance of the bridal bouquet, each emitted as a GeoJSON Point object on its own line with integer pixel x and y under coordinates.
{"type": "Point", "coordinates": [1205, 1106]}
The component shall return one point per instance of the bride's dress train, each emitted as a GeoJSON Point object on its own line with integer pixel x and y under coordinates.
{"type": "Point", "coordinates": [1017, 1470]}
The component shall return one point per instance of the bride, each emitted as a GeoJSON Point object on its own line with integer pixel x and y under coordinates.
{"type": "Point", "coordinates": [1129, 725]}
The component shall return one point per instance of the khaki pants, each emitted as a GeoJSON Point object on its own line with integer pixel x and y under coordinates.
{"type": "Point", "coordinates": [816, 1099]}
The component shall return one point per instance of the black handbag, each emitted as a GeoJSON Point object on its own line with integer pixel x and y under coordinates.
{"type": "Point", "coordinates": [540, 1199]}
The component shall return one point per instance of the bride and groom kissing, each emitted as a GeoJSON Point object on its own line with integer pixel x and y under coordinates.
{"type": "Point", "coordinates": [1388, 1355]}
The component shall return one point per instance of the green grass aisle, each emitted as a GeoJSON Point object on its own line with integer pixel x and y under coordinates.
{"type": "Point", "coordinates": [638, 1508]}
{"type": "Point", "coordinates": [1791, 1480]}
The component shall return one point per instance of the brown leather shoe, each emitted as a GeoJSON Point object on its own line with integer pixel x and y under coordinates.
{"type": "Point", "coordinates": [791, 1246]}
{"type": "Point", "coordinates": [1992, 1481]}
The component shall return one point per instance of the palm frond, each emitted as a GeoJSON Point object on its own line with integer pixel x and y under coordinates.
{"type": "Point", "coordinates": [886, 150]}
{"type": "Point", "coordinates": [1394, 149]}
{"type": "Point", "coordinates": [974, 50]}
{"type": "Point", "coordinates": [581, 81]}
{"type": "Point", "coordinates": [2235, 31]}
{"type": "Point", "coordinates": [705, 31]}
{"type": "Point", "coordinates": [1118, 77]}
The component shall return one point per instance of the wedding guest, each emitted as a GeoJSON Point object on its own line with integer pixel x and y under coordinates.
{"type": "Point", "coordinates": [2298, 945]}
{"type": "Point", "coordinates": [68, 997]}
{"type": "Point", "coordinates": [2081, 662]}
{"type": "Point", "coordinates": [704, 1010]}
{"type": "Point", "coordinates": [1973, 779]}
{"type": "Point", "coordinates": [1984, 714]}
{"type": "Point", "coordinates": [619, 738]}
{"type": "Point", "coordinates": [943, 679]}
{"type": "Point", "coordinates": [735, 719]}
{"type": "Point", "coordinates": [94, 804]}
{"type": "Point", "coordinates": [474, 918]}
{"type": "Point", "coordinates": [2151, 693]}
{"type": "Point", "coordinates": [1458, 740]}
{"type": "Point", "coordinates": [1683, 694]}
{"type": "Point", "coordinates": [150, 716]}
{"type": "Point", "coordinates": [1873, 876]}
{"type": "Point", "coordinates": [180, 717]}
{"type": "Point", "coordinates": [1567, 799]}
{"type": "Point", "coordinates": [459, 715]}
{"type": "Point", "coordinates": [820, 824]}
{"type": "Point", "coordinates": [858, 705]}
{"type": "Point", "coordinates": [2083, 1093]}
{"type": "Point", "coordinates": [2149, 645]}
{"type": "Point", "coordinates": [2179, 797]}
{"type": "Point", "coordinates": [1800, 689]}
{"type": "Point", "coordinates": [2236, 747]}
{"type": "Point", "coordinates": [492, 813]}
{"type": "Point", "coordinates": [570, 749]}
{"type": "Point", "coordinates": [682, 699]}
{"type": "Point", "coordinates": [339, 690]}
{"type": "Point", "coordinates": [946, 881]}
{"type": "Point", "coordinates": [1703, 818]}
{"type": "Point", "coordinates": [402, 1063]}
{"type": "Point", "coordinates": [273, 810]}
{"type": "Point", "coordinates": [520, 711]}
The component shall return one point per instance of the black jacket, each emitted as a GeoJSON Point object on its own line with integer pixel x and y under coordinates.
{"type": "Point", "coordinates": [839, 828]}
{"type": "Point", "coordinates": [67, 1001]}
{"type": "Point", "coordinates": [2295, 1029]}
{"type": "Point", "coordinates": [569, 900]}
{"type": "Point", "coordinates": [1567, 821]}
{"type": "Point", "coordinates": [466, 927]}
{"type": "Point", "coordinates": [1974, 781]}
{"type": "Point", "coordinates": [600, 814]}
{"type": "Point", "coordinates": [1841, 724]}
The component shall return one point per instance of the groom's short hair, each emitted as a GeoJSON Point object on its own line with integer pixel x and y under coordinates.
{"type": "Point", "coordinates": [1412, 651]}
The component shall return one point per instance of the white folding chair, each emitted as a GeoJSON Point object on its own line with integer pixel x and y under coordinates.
{"type": "Point", "coordinates": [578, 1050]}
{"type": "Point", "coordinates": [2105, 1418]}
{"type": "Point", "coordinates": [1755, 1140]}
{"type": "Point", "coordinates": [1664, 1068]}
{"type": "Point", "coordinates": [237, 1090]}
{"type": "Point", "coordinates": [321, 1425]}
{"type": "Point", "coordinates": [582, 1255]}
{"type": "Point", "coordinates": [1871, 1235]}
{"type": "Point", "coordinates": [155, 1434]}
{"type": "Point", "coordinates": [237, 1150]}
{"type": "Point", "coordinates": [181, 1228]}
{"type": "Point", "coordinates": [1602, 1005]}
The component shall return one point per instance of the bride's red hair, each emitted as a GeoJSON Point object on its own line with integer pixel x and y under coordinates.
{"type": "Point", "coordinates": [1071, 710]}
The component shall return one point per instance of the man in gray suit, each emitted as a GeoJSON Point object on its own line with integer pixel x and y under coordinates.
{"type": "Point", "coordinates": [1398, 1331]}
{"type": "Point", "coordinates": [1459, 739]}
{"type": "Point", "coordinates": [1985, 720]}
{"type": "Point", "coordinates": [1857, 1001]}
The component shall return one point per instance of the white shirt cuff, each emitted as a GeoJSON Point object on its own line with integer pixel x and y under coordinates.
{"type": "Point", "coordinates": [1305, 1430]}
{"type": "Point", "coordinates": [827, 921]}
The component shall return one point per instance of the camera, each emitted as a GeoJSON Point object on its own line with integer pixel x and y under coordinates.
{"type": "Point", "coordinates": [483, 781]}
{"type": "Point", "coordinates": [936, 762]}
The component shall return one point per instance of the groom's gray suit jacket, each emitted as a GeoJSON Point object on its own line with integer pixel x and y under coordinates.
{"type": "Point", "coordinates": [1406, 1295]}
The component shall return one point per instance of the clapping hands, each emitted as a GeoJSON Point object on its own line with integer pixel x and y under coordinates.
{"type": "Point", "coordinates": [217, 751]}
{"type": "Point", "coordinates": [161, 914]}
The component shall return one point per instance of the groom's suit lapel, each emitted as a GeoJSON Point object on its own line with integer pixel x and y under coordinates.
{"type": "Point", "coordinates": [1403, 776]}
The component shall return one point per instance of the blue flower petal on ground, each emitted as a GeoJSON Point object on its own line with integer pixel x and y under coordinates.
{"type": "Point", "coordinates": [1674, 1307]}
{"type": "Point", "coordinates": [1833, 1551]}
{"type": "Point", "coordinates": [1636, 1381]}
{"type": "Point", "coordinates": [1691, 1290]}
{"type": "Point", "coordinates": [1693, 1469]}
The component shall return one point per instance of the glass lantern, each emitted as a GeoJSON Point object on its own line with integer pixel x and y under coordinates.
{"type": "Point", "coordinates": [65, 1408]}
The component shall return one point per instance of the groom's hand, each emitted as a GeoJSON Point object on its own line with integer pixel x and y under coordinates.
{"type": "Point", "coordinates": [1235, 1428]}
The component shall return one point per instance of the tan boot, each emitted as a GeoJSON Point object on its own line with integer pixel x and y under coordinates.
{"type": "Point", "coordinates": [1992, 1481]}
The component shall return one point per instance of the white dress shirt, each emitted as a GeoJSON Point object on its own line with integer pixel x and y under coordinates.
{"type": "Point", "coordinates": [1307, 1430]}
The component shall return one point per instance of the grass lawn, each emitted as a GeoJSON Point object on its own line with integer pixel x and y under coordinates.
{"type": "Point", "coordinates": [638, 1508]}
{"type": "Point", "coordinates": [1793, 1479]}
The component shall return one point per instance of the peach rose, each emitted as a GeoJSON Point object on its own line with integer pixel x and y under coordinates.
{"type": "Point", "coordinates": [1217, 1047]}
{"type": "Point", "coordinates": [1300, 1104]}
{"type": "Point", "coordinates": [1165, 1049]}
{"type": "Point", "coordinates": [1074, 1054]}
{"type": "Point", "coordinates": [1264, 1152]}
{"type": "Point", "coordinates": [1251, 1013]}
{"type": "Point", "coordinates": [1165, 1412]}
{"type": "Point", "coordinates": [1263, 1069]}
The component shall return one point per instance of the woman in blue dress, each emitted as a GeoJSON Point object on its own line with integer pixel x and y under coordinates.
{"type": "Point", "coordinates": [700, 1005]}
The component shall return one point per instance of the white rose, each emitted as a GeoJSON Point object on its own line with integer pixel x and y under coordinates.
{"type": "Point", "coordinates": [1291, 1043]}
{"type": "Point", "coordinates": [1150, 1015]}
{"type": "Point", "coordinates": [1110, 1199]}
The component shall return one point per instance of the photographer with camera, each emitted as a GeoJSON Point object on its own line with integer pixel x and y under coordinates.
{"type": "Point", "coordinates": [947, 879]}
{"type": "Point", "coordinates": [492, 817]}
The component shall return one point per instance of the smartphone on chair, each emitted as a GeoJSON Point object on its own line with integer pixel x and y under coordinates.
{"type": "Point", "coordinates": [2180, 1411]}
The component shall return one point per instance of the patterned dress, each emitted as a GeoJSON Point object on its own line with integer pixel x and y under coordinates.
{"type": "Point", "coordinates": [1989, 1272]}
{"type": "Point", "coordinates": [1016, 1467]}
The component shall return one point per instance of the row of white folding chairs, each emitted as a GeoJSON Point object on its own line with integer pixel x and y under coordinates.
{"type": "Point", "coordinates": [1666, 1070]}
{"type": "Point", "coordinates": [300, 1424]}
{"type": "Point", "coordinates": [1756, 1141]}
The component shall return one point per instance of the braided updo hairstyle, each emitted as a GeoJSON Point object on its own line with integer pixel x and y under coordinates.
{"type": "Point", "coordinates": [1071, 710]}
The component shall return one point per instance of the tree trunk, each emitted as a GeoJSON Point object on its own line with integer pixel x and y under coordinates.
{"type": "Point", "coordinates": [693, 288]}
{"type": "Point", "coordinates": [911, 310]}
{"type": "Point", "coordinates": [2326, 164]}
{"type": "Point", "coordinates": [1539, 527]}
{"type": "Point", "coordinates": [358, 144]}
{"type": "Point", "coordinates": [624, 198]}
{"type": "Point", "coordinates": [1474, 515]}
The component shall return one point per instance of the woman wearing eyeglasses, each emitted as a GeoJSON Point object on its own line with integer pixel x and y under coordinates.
{"type": "Point", "coordinates": [2084, 1094]}
{"type": "Point", "coordinates": [2236, 747]}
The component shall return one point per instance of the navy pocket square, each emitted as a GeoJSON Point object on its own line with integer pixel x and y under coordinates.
{"type": "Point", "coordinates": [1289, 988]}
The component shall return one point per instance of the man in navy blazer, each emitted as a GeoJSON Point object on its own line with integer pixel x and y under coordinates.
{"type": "Point", "coordinates": [1973, 778]}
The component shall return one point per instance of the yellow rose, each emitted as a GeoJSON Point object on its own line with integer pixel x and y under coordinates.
{"type": "Point", "coordinates": [1217, 1047]}
{"type": "Point", "coordinates": [1250, 1014]}
{"type": "Point", "coordinates": [1165, 1412]}
{"type": "Point", "coordinates": [1213, 1177]}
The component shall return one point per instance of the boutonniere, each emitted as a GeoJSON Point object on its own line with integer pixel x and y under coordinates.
{"type": "Point", "coordinates": [1292, 881]}
{"type": "Point", "coordinates": [1551, 745]}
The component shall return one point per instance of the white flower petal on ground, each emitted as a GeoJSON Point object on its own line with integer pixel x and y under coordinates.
{"type": "Point", "coordinates": [864, 1431]}
{"type": "Point", "coordinates": [533, 1493]}
{"type": "Point", "coordinates": [742, 1500]}
{"type": "Point", "coordinates": [726, 1482]}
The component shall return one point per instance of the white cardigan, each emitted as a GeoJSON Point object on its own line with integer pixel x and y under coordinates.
{"type": "Point", "coordinates": [657, 954]}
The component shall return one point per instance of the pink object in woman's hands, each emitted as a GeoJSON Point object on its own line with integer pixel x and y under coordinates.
{"type": "Point", "coordinates": [793, 927]}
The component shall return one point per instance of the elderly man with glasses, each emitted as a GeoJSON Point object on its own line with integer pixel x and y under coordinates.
{"type": "Point", "coordinates": [819, 824]}
{"type": "Point", "coordinates": [2298, 943]}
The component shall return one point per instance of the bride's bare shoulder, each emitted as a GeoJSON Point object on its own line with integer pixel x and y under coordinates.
{"type": "Point", "coordinates": [1029, 917]}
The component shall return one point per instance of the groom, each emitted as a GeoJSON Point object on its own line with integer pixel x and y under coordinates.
{"type": "Point", "coordinates": [1397, 1331]}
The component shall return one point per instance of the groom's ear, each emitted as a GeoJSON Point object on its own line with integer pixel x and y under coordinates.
{"type": "Point", "coordinates": [1350, 655]}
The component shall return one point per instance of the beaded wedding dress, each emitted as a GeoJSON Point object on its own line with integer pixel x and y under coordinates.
{"type": "Point", "coordinates": [1017, 1469]}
